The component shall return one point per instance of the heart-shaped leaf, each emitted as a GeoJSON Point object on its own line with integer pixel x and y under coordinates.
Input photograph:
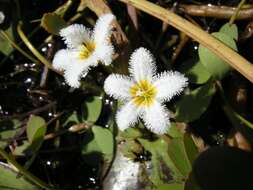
{"type": "Point", "coordinates": [230, 30]}
{"type": "Point", "coordinates": [102, 142]}
{"type": "Point", "coordinates": [92, 108]}
{"type": "Point", "coordinates": [53, 23]}
{"type": "Point", "coordinates": [195, 71]}
{"type": "Point", "coordinates": [8, 129]}
{"type": "Point", "coordinates": [36, 127]}
{"type": "Point", "coordinates": [216, 66]}
{"type": "Point", "coordinates": [191, 106]}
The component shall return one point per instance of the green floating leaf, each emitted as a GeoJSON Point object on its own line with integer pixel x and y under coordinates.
{"type": "Point", "coordinates": [216, 66]}
{"type": "Point", "coordinates": [195, 72]}
{"type": "Point", "coordinates": [190, 148]}
{"type": "Point", "coordinates": [5, 46]}
{"type": "Point", "coordinates": [52, 23]}
{"type": "Point", "coordinates": [36, 127]}
{"type": "Point", "coordinates": [159, 151]}
{"type": "Point", "coordinates": [230, 30]}
{"type": "Point", "coordinates": [183, 151]}
{"type": "Point", "coordinates": [130, 149]}
{"type": "Point", "coordinates": [102, 142]}
{"type": "Point", "coordinates": [172, 186]}
{"type": "Point", "coordinates": [35, 131]}
{"type": "Point", "coordinates": [191, 106]}
{"type": "Point", "coordinates": [11, 179]}
{"type": "Point", "coordinates": [177, 153]}
{"type": "Point", "coordinates": [92, 108]}
{"type": "Point", "coordinates": [104, 139]}
{"type": "Point", "coordinates": [8, 129]}
{"type": "Point", "coordinates": [72, 119]}
{"type": "Point", "coordinates": [174, 131]}
{"type": "Point", "coordinates": [91, 147]}
{"type": "Point", "coordinates": [22, 148]}
{"type": "Point", "coordinates": [131, 132]}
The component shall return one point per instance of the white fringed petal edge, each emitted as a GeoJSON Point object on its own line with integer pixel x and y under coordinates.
{"type": "Point", "coordinates": [102, 29]}
{"type": "Point", "coordinates": [127, 116]}
{"type": "Point", "coordinates": [75, 34]}
{"type": "Point", "coordinates": [118, 86]}
{"type": "Point", "coordinates": [156, 118]}
{"type": "Point", "coordinates": [169, 84]}
{"type": "Point", "coordinates": [142, 65]}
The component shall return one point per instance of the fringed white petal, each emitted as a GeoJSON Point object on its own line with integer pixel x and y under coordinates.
{"type": "Point", "coordinates": [127, 116]}
{"type": "Point", "coordinates": [74, 73]}
{"type": "Point", "coordinates": [102, 29]}
{"type": "Point", "coordinates": [169, 84]}
{"type": "Point", "coordinates": [75, 35]}
{"type": "Point", "coordinates": [62, 59]}
{"type": "Point", "coordinates": [104, 54]}
{"type": "Point", "coordinates": [118, 86]}
{"type": "Point", "coordinates": [156, 118]}
{"type": "Point", "coordinates": [72, 81]}
{"type": "Point", "coordinates": [142, 65]}
{"type": "Point", "coordinates": [68, 58]}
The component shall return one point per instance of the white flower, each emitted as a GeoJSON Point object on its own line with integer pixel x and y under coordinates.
{"type": "Point", "coordinates": [2, 17]}
{"type": "Point", "coordinates": [143, 93]}
{"type": "Point", "coordinates": [85, 48]}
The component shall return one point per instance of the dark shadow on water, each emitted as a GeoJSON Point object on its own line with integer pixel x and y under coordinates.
{"type": "Point", "coordinates": [224, 168]}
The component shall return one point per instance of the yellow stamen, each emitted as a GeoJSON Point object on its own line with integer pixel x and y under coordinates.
{"type": "Point", "coordinates": [86, 50]}
{"type": "Point", "coordinates": [143, 93]}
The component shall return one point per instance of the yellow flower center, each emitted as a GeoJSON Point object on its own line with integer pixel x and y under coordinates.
{"type": "Point", "coordinates": [86, 50]}
{"type": "Point", "coordinates": [143, 93]}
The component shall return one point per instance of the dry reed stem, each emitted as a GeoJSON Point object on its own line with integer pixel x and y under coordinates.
{"type": "Point", "coordinates": [224, 52]}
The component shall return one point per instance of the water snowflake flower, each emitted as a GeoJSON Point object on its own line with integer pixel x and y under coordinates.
{"type": "Point", "coordinates": [144, 92]}
{"type": "Point", "coordinates": [85, 49]}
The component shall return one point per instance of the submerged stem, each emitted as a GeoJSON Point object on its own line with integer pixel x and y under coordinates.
{"type": "Point", "coordinates": [5, 35]}
{"type": "Point", "coordinates": [35, 52]}
{"type": "Point", "coordinates": [230, 111]}
{"type": "Point", "coordinates": [26, 173]}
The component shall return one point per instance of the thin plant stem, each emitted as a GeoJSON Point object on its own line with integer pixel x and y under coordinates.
{"type": "Point", "coordinates": [214, 11]}
{"type": "Point", "coordinates": [243, 120]}
{"type": "Point", "coordinates": [232, 19]}
{"type": "Point", "coordinates": [5, 35]}
{"type": "Point", "coordinates": [26, 173]}
{"type": "Point", "coordinates": [61, 10]}
{"type": "Point", "coordinates": [229, 110]}
{"type": "Point", "coordinates": [20, 43]}
{"type": "Point", "coordinates": [34, 51]}
{"type": "Point", "coordinates": [75, 17]}
{"type": "Point", "coordinates": [217, 47]}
